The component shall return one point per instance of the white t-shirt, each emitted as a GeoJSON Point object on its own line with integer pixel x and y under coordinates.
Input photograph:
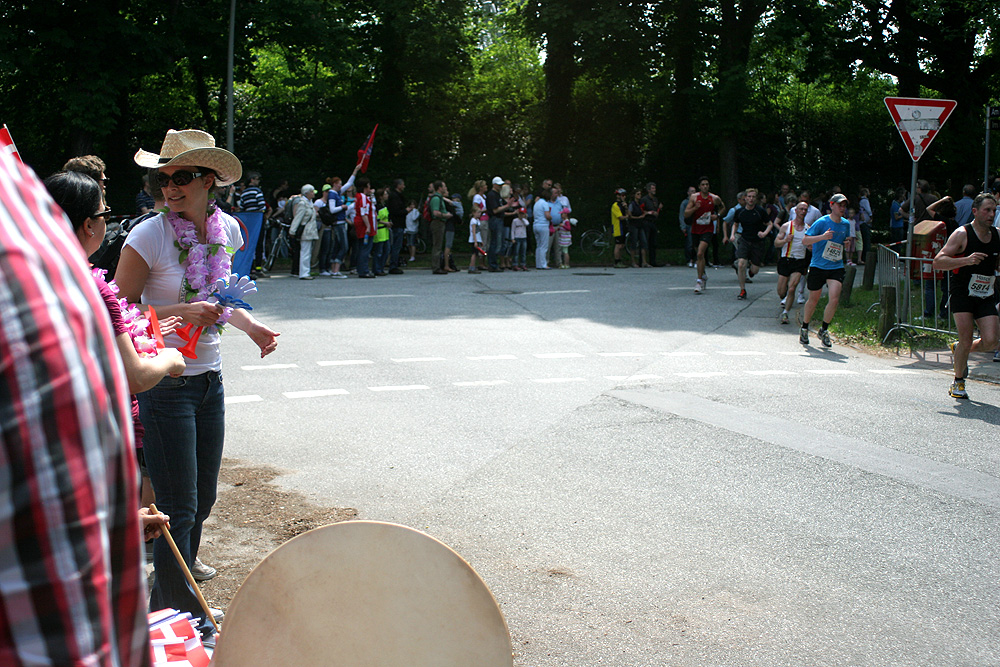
{"type": "Point", "coordinates": [481, 200]}
{"type": "Point", "coordinates": [413, 221]}
{"type": "Point", "coordinates": [154, 240]}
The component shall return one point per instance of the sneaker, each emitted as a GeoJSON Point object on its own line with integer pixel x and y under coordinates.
{"type": "Point", "coordinates": [804, 335]}
{"type": "Point", "coordinates": [217, 614]}
{"type": "Point", "coordinates": [338, 274]}
{"type": "Point", "coordinates": [699, 287]}
{"type": "Point", "coordinates": [202, 572]}
{"type": "Point", "coordinates": [396, 272]}
{"type": "Point", "coordinates": [996, 356]}
{"type": "Point", "coordinates": [474, 271]}
{"type": "Point", "coordinates": [742, 295]}
{"type": "Point", "coordinates": [824, 337]}
{"type": "Point", "coordinates": [801, 300]}
{"type": "Point", "coordinates": [325, 274]}
{"type": "Point", "coordinates": [307, 277]}
{"type": "Point", "coordinates": [957, 389]}
{"type": "Point", "coordinates": [784, 317]}
{"type": "Point", "coordinates": [690, 265]}
{"type": "Point", "coordinates": [954, 343]}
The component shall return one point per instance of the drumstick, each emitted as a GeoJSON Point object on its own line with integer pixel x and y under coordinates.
{"type": "Point", "coordinates": [187, 572]}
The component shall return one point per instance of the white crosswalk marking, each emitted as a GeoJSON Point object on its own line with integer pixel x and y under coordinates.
{"type": "Point", "coordinates": [492, 357]}
{"type": "Point", "coordinates": [346, 362]}
{"type": "Point", "coordinates": [621, 354]}
{"type": "Point", "coordinates": [481, 383]}
{"type": "Point", "coordinates": [268, 367]}
{"type": "Point", "coordinates": [412, 360]}
{"type": "Point", "coordinates": [558, 355]}
{"type": "Point", "coordinates": [831, 371]}
{"type": "Point", "coordinates": [401, 387]}
{"type": "Point", "coordinates": [558, 380]}
{"type": "Point", "coordinates": [772, 372]}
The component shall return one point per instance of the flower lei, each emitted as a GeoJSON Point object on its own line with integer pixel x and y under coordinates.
{"type": "Point", "coordinates": [135, 322]}
{"type": "Point", "coordinates": [205, 262]}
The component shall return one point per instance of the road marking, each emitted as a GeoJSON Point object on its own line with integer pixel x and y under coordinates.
{"type": "Point", "coordinates": [367, 296]}
{"type": "Point", "coordinates": [492, 357]}
{"type": "Point", "coordinates": [401, 387]}
{"type": "Point", "coordinates": [892, 463]}
{"type": "Point", "coordinates": [558, 355]}
{"type": "Point", "coordinates": [741, 353]}
{"type": "Point", "coordinates": [632, 378]}
{"type": "Point", "coordinates": [268, 367]}
{"type": "Point", "coordinates": [831, 371]}
{"type": "Point", "coordinates": [481, 383]}
{"type": "Point", "coordinates": [560, 291]}
{"type": "Point", "coordinates": [681, 353]}
{"type": "Point", "coordinates": [774, 372]}
{"type": "Point", "coordinates": [789, 353]}
{"type": "Point", "coordinates": [418, 359]}
{"type": "Point", "coordinates": [345, 362]}
{"type": "Point", "coordinates": [621, 354]}
{"type": "Point", "coordinates": [315, 393]}
{"type": "Point", "coordinates": [893, 371]}
{"type": "Point", "coordinates": [251, 398]}
{"type": "Point", "coordinates": [711, 374]}
{"type": "Point", "coordinates": [558, 380]}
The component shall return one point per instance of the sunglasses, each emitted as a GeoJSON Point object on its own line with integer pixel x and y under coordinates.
{"type": "Point", "coordinates": [102, 214]}
{"type": "Point", "coordinates": [180, 178]}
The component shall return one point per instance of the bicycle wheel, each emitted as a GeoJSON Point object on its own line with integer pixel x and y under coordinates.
{"type": "Point", "coordinates": [630, 248]}
{"type": "Point", "coordinates": [421, 246]}
{"type": "Point", "coordinates": [592, 243]}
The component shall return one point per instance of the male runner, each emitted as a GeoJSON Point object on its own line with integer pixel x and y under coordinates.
{"type": "Point", "coordinates": [703, 209]}
{"type": "Point", "coordinates": [756, 225]}
{"type": "Point", "coordinates": [792, 264]}
{"type": "Point", "coordinates": [826, 238]}
{"type": "Point", "coordinates": [971, 255]}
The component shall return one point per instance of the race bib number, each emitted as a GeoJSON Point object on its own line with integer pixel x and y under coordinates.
{"type": "Point", "coordinates": [833, 252]}
{"type": "Point", "coordinates": [981, 286]}
{"type": "Point", "coordinates": [705, 220]}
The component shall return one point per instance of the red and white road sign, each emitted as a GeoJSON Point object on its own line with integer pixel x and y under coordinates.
{"type": "Point", "coordinates": [918, 120]}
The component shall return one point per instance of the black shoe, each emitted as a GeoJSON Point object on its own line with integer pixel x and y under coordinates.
{"type": "Point", "coordinates": [494, 269]}
{"type": "Point", "coordinates": [396, 272]}
{"type": "Point", "coordinates": [742, 295]}
{"type": "Point", "coordinates": [307, 278]}
{"type": "Point", "coordinates": [749, 280]}
{"type": "Point", "coordinates": [366, 275]}
{"type": "Point", "coordinates": [381, 274]}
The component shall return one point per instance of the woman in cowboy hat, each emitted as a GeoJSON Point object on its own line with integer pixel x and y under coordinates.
{"type": "Point", "coordinates": [171, 262]}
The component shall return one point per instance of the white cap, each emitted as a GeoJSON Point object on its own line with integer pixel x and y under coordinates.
{"type": "Point", "coordinates": [497, 180]}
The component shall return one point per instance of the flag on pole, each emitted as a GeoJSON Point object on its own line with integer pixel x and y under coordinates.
{"type": "Point", "coordinates": [7, 144]}
{"type": "Point", "coordinates": [365, 154]}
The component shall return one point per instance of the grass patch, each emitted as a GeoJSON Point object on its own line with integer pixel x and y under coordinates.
{"type": "Point", "coordinates": [858, 324]}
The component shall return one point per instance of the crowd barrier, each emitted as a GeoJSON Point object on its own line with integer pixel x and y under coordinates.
{"type": "Point", "coordinates": [919, 293]}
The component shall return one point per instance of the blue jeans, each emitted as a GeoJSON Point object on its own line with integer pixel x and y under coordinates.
{"type": "Point", "coordinates": [520, 251]}
{"type": "Point", "coordinates": [395, 245]}
{"type": "Point", "coordinates": [185, 420]}
{"type": "Point", "coordinates": [364, 247]}
{"type": "Point", "coordinates": [325, 248]}
{"type": "Point", "coordinates": [340, 245]}
{"type": "Point", "coordinates": [496, 242]}
{"type": "Point", "coordinates": [380, 251]}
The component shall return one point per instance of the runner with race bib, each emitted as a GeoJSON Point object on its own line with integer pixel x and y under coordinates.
{"type": "Point", "coordinates": [826, 237]}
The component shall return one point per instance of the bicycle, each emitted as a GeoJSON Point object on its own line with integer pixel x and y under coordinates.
{"type": "Point", "coordinates": [595, 242]}
{"type": "Point", "coordinates": [280, 246]}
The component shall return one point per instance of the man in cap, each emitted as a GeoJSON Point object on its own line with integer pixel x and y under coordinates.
{"type": "Point", "coordinates": [826, 238]}
{"type": "Point", "coordinates": [495, 207]}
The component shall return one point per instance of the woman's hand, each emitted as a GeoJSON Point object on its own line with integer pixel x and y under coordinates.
{"type": "Point", "coordinates": [174, 360]}
{"type": "Point", "coordinates": [266, 339]}
{"type": "Point", "coordinates": [169, 325]}
{"type": "Point", "coordinates": [202, 313]}
{"type": "Point", "coordinates": [152, 524]}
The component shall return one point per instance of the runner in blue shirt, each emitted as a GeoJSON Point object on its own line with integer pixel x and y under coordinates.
{"type": "Point", "coordinates": [826, 237]}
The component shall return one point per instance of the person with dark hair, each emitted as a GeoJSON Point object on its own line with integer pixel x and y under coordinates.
{"type": "Point", "coordinates": [144, 201]}
{"type": "Point", "coordinates": [397, 224]}
{"type": "Point", "coordinates": [963, 207]}
{"type": "Point", "coordinates": [172, 262]}
{"type": "Point", "coordinates": [703, 209]}
{"type": "Point", "coordinates": [439, 216]}
{"type": "Point", "coordinates": [651, 207]}
{"type": "Point", "coordinates": [364, 226]}
{"type": "Point", "coordinates": [91, 165]}
{"type": "Point", "coordinates": [971, 255]}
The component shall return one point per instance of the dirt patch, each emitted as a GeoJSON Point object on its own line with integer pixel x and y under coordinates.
{"type": "Point", "coordinates": [251, 518]}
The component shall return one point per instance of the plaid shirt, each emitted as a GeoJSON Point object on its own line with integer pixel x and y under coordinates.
{"type": "Point", "coordinates": [72, 589]}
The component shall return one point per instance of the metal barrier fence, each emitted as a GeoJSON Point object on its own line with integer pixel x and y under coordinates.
{"type": "Point", "coordinates": [921, 294]}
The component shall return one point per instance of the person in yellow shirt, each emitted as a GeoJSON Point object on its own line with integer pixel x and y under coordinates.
{"type": "Point", "coordinates": [619, 217]}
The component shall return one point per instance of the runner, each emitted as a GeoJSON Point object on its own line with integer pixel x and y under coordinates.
{"type": "Point", "coordinates": [703, 209]}
{"type": "Point", "coordinates": [793, 263]}
{"type": "Point", "coordinates": [826, 238]}
{"type": "Point", "coordinates": [755, 225]}
{"type": "Point", "coordinates": [971, 255]}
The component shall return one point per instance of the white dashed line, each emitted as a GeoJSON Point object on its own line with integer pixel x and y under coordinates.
{"type": "Point", "coordinates": [774, 372]}
{"type": "Point", "coordinates": [893, 371]}
{"type": "Point", "coordinates": [789, 353]}
{"type": "Point", "coordinates": [680, 353]}
{"type": "Point", "coordinates": [558, 380]}
{"type": "Point", "coordinates": [492, 357]}
{"type": "Point", "coordinates": [316, 393]}
{"type": "Point", "coordinates": [413, 360]}
{"type": "Point", "coordinates": [481, 383]}
{"type": "Point", "coordinates": [741, 353]}
{"type": "Point", "coordinates": [401, 387]}
{"type": "Point", "coordinates": [268, 367]}
{"type": "Point", "coordinates": [345, 362]}
{"type": "Point", "coordinates": [621, 354]}
{"type": "Point", "coordinates": [710, 374]}
{"type": "Point", "coordinates": [252, 398]}
{"type": "Point", "coordinates": [561, 291]}
{"type": "Point", "coordinates": [831, 371]}
{"type": "Point", "coordinates": [632, 378]}
{"type": "Point", "coordinates": [367, 296]}
{"type": "Point", "coordinates": [558, 355]}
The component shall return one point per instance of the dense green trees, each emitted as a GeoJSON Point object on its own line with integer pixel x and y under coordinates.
{"type": "Point", "coordinates": [594, 95]}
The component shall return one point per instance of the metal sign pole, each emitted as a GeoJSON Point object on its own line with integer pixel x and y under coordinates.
{"type": "Point", "coordinates": [986, 167]}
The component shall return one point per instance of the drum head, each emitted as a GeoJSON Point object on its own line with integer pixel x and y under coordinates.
{"type": "Point", "coordinates": [364, 593]}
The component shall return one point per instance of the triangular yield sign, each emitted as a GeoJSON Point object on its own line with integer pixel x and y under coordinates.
{"type": "Point", "coordinates": [918, 120]}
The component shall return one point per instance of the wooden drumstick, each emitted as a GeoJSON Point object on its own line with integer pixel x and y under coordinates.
{"type": "Point", "coordinates": [184, 568]}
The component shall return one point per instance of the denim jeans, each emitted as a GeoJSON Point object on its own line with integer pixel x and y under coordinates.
{"type": "Point", "coordinates": [395, 245]}
{"type": "Point", "coordinates": [325, 248]}
{"type": "Point", "coordinates": [496, 242]}
{"type": "Point", "coordinates": [185, 420]}
{"type": "Point", "coordinates": [380, 251]}
{"type": "Point", "coordinates": [340, 245]}
{"type": "Point", "coordinates": [364, 247]}
{"type": "Point", "coordinates": [520, 250]}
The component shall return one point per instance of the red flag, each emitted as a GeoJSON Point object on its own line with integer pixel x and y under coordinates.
{"type": "Point", "coordinates": [365, 154]}
{"type": "Point", "coordinates": [7, 144]}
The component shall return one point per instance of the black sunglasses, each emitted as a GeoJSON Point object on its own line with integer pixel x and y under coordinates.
{"type": "Point", "coordinates": [102, 214]}
{"type": "Point", "coordinates": [179, 178]}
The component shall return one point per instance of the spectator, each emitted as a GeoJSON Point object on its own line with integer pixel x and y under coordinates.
{"type": "Point", "coordinates": [519, 233]}
{"type": "Point", "coordinates": [364, 226]}
{"type": "Point", "coordinates": [685, 225]}
{"type": "Point", "coordinates": [637, 229]}
{"type": "Point", "coordinates": [864, 225]}
{"type": "Point", "coordinates": [304, 219]}
{"type": "Point", "coordinates": [545, 215]}
{"type": "Point", "coordinates": [897, 222]}
{"type": "Point", "coordinates": [495, 208]}
{"type": "Point", "coordinates": [651, 211]}
{"type": "Point", "coordinates": [92, 166]}
{"type": "Point", "coordinates": [144, 202]}
{"type": "Point", "coordinates": [439, 216]}
{"type": "Point", "coordinates": [963, 206]}
{"type": "Point", "coordinates": [397, 224]}
{"type": "Point", "coordinates": [412, 228]}
{"type": "Point", "coordinates": [380, 245]}
{"type": "Point", "coordinates": [458, 213]}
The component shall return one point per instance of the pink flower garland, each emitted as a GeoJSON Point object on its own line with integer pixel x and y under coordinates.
{"type": "Point", "coordinates": [205, 263]}
{"type": "Point", "coordinates": [135, 322]}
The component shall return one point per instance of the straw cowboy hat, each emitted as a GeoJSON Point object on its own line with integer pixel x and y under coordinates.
{"type": "Point", "coordinates": [193, 148]}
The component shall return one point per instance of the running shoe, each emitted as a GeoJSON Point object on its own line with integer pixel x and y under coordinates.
{"type": "Point", "coordinates": [784, 318]}
{"type": "Point", "coordinates": [824, 337]}
{"type": "Point", "coordinates": [804, 335]}
{"type": "Point", "coordinates": [958, 389]}
{"type": "Point", "coordinates": [996, 356]}
{"type": "Point", "coordinates": [742, 295]}
{"type": "Point", "coordinates": [952, 344]}
{"type": "Point", "coordinates": [699, 287]}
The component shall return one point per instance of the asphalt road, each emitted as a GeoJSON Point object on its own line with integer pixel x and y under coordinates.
{"type": "Point", "coordinates": [642, 475]}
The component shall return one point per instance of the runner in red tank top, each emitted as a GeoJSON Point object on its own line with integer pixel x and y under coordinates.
{"type": "Point", "coordinates": [704, 207]}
